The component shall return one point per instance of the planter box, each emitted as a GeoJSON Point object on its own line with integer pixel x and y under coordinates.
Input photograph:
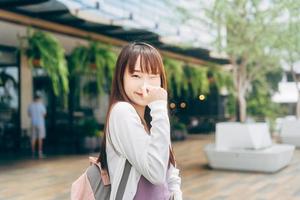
{"type": "Point", "coordinates": [269, 159]}
{"type": "Point", "coordinates": [235, 135]}
{"type": "Point", "coordinates": [290, 132]}
{"type": "Point", "coordinates": [247, 147]}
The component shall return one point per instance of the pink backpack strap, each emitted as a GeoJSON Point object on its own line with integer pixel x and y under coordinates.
{"type": "Point", "coordinates": [103, 172]}
{"type": "Point", "coordinates": [93, 160]}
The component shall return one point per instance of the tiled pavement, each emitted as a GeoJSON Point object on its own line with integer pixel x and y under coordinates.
{"type": "Point", "coordinates": [51, 178]}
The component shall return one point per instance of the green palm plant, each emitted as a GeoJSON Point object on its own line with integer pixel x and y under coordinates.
{"type": "Point", "coordinates": [50, 53]}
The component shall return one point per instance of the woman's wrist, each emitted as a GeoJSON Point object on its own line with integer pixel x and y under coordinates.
{"type": "Point", "coordinates": [158, 103]}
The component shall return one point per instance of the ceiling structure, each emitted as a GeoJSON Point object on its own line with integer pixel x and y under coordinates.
{"type": "Point", "coordinates": [130, 20]}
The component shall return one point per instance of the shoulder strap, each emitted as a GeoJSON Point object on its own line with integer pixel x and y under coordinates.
{"type": "Point", "coordinates": [103, 172]}
{"type": "Point", "coordinates": [125, 175]}
{"type": "Point", "coordinates": [123, 182]}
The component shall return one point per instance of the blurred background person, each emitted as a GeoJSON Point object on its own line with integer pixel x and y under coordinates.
{"type": "Point", "coordinates": [37, 113]}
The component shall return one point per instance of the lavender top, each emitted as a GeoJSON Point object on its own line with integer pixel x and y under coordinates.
{"type": "Point", "coordinates": [149, 191]}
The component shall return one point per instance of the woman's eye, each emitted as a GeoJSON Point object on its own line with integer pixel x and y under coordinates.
{"type": "Point", "coordinates": [135, 76]}
{"type": "Point", "coordinates": [152, 77]}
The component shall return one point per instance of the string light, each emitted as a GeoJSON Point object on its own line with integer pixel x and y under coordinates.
{"type": "Point", "coordinates": [182, 105]}
{"type": "Point", "coordinates": [172, 105]}
{"type": "Point", "coordinates": [201, 97]}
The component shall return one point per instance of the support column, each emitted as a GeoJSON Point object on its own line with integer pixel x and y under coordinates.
{"type": "Point", "coordinates": [25, 92]}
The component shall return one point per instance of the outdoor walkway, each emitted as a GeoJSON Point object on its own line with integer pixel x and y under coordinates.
{"type": "Point", "coordinates": [50, 179]}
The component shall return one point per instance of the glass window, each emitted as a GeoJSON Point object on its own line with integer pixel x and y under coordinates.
{"type": "Point", "coordinates": [9, 99]}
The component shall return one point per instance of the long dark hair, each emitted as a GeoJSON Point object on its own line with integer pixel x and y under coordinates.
{"type": "Point", "coordinates": [151, 61]}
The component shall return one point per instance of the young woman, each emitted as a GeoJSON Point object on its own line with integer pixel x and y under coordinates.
{"type": "Point", "coordinates": [138, 129]}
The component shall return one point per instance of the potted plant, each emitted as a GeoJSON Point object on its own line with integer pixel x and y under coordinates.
{"type": "Point", "coordinates": [96, 61]}
{"type": "Point", "coordinates": [45, 51]}
{"type": "Point", "coordinates": [91, 134]}
{"type": "Point", "coordinates": [178, 129]}
{"type": "Point", "coordinates": [102, 63]}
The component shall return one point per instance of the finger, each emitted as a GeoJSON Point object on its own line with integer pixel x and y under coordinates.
{"type": "Point", "coordinates": [150, 88]}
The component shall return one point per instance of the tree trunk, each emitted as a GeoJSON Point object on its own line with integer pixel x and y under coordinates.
{"type": "Point", "coordinates": [241, 86]}
{"type": "Point", "coordinates": [242, 108]}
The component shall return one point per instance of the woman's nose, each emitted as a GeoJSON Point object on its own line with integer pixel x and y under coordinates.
{"type": "Point", "coordinates": [144, 83]}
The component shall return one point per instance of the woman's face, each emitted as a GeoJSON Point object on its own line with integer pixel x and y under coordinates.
{"type": "Point", "coordinates": [134, 83]}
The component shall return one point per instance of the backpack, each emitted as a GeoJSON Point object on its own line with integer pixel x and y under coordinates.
{"type": "Point", "coordinates": [94, 183]}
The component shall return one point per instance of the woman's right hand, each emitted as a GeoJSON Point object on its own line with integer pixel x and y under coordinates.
{"type": "Point", "coordinates": [152, 93]}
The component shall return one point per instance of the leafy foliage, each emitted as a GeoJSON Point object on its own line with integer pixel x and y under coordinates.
{"type": "Point", "coordinates": [174, 72]}
{"type": "Point", "coordinates": [247, 32]}
{"type": "Point", "coordinates": [197, 79]}
{"type": "Point", "coordinates": [187, 78]}
{"type": "Point", "coordinates": [79, 60]}
{"type": "Point", "coordinates": [288, 45]}
{"type": "Point", "coordinates": [49, 51]}
{"type": "Point", "coordinates": [259, 101]}
{"type": "Point", "coordinates": [221, 77]}
{"type": "Point", "coordinates": [97, 60]}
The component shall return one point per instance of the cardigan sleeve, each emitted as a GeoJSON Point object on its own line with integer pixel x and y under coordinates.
{"type": "Point", "coordinates": [174, 182]}
{"type": "Point", "coordinates": [148, 154]}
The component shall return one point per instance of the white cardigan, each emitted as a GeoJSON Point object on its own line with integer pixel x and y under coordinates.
{"type": "Point", "coordinates": [148, 154]}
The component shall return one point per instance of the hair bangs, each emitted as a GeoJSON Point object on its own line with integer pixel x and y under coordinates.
{"type": "Point", "coordinates": [151, 63]}
{"type": "Point", "coordinates": [150, 60]}
{"type": "Point", "coordinates": [131, 60]}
